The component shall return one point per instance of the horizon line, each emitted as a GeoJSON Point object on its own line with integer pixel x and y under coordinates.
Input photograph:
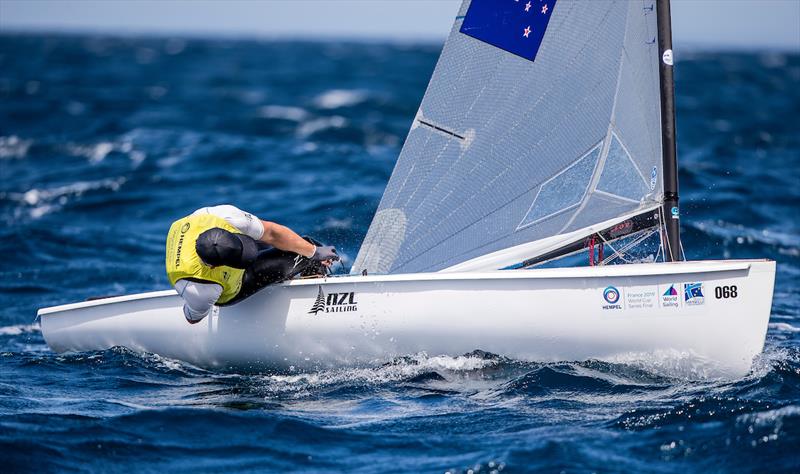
{"type": "Point", "coordinates": [367, 37]}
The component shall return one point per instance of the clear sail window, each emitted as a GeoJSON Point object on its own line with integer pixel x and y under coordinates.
{"type": "Point", "coordinates": [620, 176]}
{"type": "Point", "coordinates": [564, 191]}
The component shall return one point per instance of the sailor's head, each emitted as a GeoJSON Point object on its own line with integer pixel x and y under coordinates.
{"type": "Point", "coordinates": [217, 247]}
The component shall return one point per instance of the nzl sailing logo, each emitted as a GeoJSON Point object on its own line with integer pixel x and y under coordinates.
{"type": "Point", "coordinates": [334, 302]}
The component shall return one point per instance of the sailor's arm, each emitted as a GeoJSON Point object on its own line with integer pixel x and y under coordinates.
{"type": "Point", "coordinates": [276, 235]}
{"type": "Point", "coordinates": [284, 238]}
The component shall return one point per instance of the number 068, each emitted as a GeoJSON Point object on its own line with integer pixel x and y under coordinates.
{"type": "Point", "coordinates": [724, 292]}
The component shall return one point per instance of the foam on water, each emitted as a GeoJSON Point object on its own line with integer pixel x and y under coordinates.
{"type": "Point", "coordinates": [311, 127]}
{"type": "Point", "coordinates": [96, 153]}
{"type": "Point", "coordinates": [14, 147]}
{"type": "Point", "coordinates": [17, 329]}
{"type": "Point", "coordinates": [45, 201]}
{"type": "Point", "coordinates": [398, 370]}
{"type": "Point", "coordinates": [783, 327]}
{"type": "Point", "coordinates": [336, 98]}
{"type": "Point", "coordinates": [295, 114]}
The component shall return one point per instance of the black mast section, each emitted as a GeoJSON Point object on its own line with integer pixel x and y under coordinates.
{"type": "Point", "coordinates": [672, 250]}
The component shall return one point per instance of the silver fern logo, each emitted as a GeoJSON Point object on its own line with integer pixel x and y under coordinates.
{"type": "Point", "coordinates": [319, 304]}
{"type": "Point", "coordinates": [334, 302]}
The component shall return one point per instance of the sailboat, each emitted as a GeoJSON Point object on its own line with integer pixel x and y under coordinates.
{"type": "Point", "coordinates": [532, 213]}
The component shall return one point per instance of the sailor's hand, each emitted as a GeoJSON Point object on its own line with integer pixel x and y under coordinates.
{"type": "Point", "coordinates": [325, 253]}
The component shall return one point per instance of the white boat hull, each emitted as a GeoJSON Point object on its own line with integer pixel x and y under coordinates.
{"type": "Point", "coordinates": [539, 315]}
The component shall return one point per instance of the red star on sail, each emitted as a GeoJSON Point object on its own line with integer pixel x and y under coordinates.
{"type": "Point", "coordinates": [544, 9]}
{"type": "Point", "coordinates": [527, 31]}
{"type": "Point", "coordinates": [527, 6]}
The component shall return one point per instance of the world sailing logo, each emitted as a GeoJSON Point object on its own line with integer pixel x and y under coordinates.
{"type": "Point", "coordinates": [334, 302]}
{"type": "Point", "coordinates": [670, 298]}
{"type": "Point", "coordinates": [693, 294]}
{"type": "Point", "coordinates": [611, 295]}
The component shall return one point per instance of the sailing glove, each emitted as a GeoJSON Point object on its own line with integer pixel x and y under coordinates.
{"type": "Point", "coordinates": [325, 252]}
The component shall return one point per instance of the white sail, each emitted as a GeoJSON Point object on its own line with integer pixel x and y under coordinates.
{"type": "Point", "coordinates": [506, 150]}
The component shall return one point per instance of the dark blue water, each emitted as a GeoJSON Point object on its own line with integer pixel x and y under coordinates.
{"type": "Point", "coordinates": [103, 142]}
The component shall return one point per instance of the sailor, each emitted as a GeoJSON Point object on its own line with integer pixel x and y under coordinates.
{"type": "Point", "coordinates": [221, 255]}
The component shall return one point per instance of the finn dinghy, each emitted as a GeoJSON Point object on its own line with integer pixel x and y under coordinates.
{"type": "Point", "coordinates": [546, 137]}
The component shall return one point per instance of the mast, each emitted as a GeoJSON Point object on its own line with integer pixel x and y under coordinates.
{"type": "Point", "coordinates": [672, 249]}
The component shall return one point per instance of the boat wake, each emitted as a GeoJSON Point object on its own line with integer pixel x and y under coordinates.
{"type": "Point", "coordinates": [658, 368]}
{"type": "Point", "coordinates": [642, 401]}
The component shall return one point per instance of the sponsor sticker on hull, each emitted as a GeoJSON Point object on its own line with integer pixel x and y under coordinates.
{"type": "Point", "coordinates": [645, 297]}
{"type": "Point", "coordinates": [611, 295]}
{"type": "Point", "coordinates": [334, 302]}
{"type": "Point", "coordinates": [670, 298]}
{"type": "Point", "coordinates": [693, 294]}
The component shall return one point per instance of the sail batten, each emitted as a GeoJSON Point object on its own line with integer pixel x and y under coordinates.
{"type": "Point", "coordinates": [508, 149]}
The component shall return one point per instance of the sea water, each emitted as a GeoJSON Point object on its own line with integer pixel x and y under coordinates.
{"type": "Point", "coordinates": [105, 141]}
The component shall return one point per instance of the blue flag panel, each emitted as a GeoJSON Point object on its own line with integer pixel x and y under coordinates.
{"type": "Point", "coordinates": [516, 26]}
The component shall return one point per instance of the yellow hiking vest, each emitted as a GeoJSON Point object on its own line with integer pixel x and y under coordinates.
{"type": "Point", "coordinates": [183, 261]}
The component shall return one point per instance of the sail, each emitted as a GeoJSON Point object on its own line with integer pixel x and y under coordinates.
{"type": "Point", "coordinates": [515, 143]}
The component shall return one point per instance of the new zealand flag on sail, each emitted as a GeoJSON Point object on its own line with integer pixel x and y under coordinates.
{"type": "Point", "coordinates": [516, 26]}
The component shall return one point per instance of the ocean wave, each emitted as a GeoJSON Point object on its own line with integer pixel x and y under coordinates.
{"type": "Point", "coordinates": [730, 233]}
{"type": "Point", "coordinates": [576, 382]}
{"type": "Point", "coordinates": [775, 375]}
{"type": "Point", "coordinates": [404, 368]}
{"type": "Point", "coordinates": [294, 114]}
{"type": "Point", "coordinates": [14, 147]}
{"type": "Point", "coordinates": [17, 329]}
{"type": "Point", "coordinates": [338, 98]}
{"type": "Point", "coordinates": [784, 327]}
{"type": "Point", "coordinates": [311, 127]}
{"type": "Point", "coordinates": [411, 391]}
{"type": "Point", "coordinates": [678, 365]}
{"type": "Point", "coordinates": [42, 201]}
{"type": "Point", "coordinates": [742, 234]}
{"type": "Point", "coordinates": [696, 410]}
{"type": "Point", "coordinates": [95, 153]}
{"type": "Point", "coordinates": [98, 152]}
{"type": "Point", "coordinates": [771, 417]}
{"type": "Point", "coordinates": [334, 223]}
{"type": "Point", "coordinates": [125, 364]}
